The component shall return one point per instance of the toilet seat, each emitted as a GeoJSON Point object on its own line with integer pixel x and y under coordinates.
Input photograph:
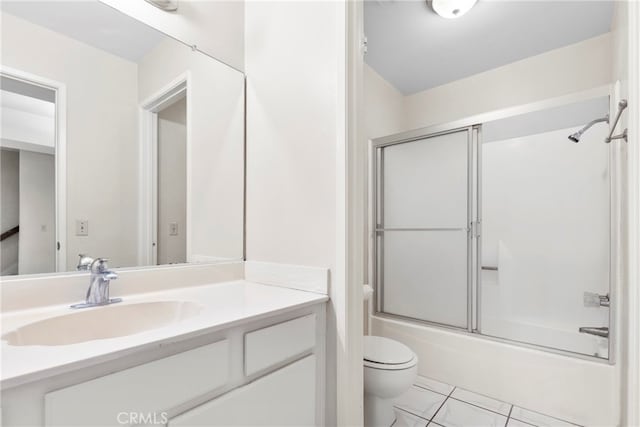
{"type": "Point", "coordinates": [387, 354]}
{"type": "Point", "coordinates": [388, 367]}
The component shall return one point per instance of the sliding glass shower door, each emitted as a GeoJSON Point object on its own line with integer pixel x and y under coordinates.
{"type": "Point", "coordinates": [508, 234]}
{"type": "Point", "coordinates": [423, 230]}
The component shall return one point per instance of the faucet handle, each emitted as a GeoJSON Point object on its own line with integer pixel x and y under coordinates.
{"type": "Point", "coordinates": [99, 265]}
{"type": "Point", "coordinates": [84, 262]}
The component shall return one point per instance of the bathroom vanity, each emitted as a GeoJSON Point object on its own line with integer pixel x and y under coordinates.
{"type": "Point", "coordinates": [228, 353]}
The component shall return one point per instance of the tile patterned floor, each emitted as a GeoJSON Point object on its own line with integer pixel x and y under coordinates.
{"type": "Point", "coordinates": [432, 403]}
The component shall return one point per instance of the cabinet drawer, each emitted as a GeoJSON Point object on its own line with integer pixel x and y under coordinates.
{"type": "Point", "coordinates": [269, 346]}
{"type": "Point", "coordinates": [147, 389]}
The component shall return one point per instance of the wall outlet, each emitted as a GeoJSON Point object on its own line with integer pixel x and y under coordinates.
{"type": "Point", "coordinates": [82, 227]}
{"type": "Point", "coordinates": [173, 229]}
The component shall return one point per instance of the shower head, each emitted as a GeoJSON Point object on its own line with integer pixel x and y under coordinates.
{"type": "Point", "coordinates": [575, 137]}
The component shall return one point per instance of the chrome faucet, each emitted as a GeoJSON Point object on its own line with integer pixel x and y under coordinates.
{"type": "Point", "coordinates": [98, 292]}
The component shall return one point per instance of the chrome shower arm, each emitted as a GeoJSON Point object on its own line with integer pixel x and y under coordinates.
{"type": "Point", "coordinates": [575, 137]}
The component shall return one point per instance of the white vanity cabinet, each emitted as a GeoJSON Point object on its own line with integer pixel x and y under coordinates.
{"type": "Point", "coordinates": [267, 371]}
{"type": "Point", "coordinates": [150, 388]}
{"type": "Point", "coordinates": [285, 397]}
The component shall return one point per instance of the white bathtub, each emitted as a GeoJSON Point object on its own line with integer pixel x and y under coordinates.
{"type": "Point", "coordinates": [582, 391]}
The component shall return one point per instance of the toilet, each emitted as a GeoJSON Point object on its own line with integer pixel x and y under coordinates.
{"type": "Point", "coordinates": [390, 368]}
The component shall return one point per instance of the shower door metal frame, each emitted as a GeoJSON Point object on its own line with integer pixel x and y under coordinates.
{"type": "Point", "coordinates": [472, 225]}
{"type": "Point", "coordinates": [476, 122]}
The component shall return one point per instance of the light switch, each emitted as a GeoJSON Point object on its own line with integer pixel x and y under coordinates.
{"type": "Point", "coordinates": [82, 227]}
{"type": "Point", "coordinates": [173, 229]}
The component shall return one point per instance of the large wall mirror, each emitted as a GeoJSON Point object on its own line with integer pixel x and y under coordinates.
{"type": "Point", "coordinates": [117, 141]}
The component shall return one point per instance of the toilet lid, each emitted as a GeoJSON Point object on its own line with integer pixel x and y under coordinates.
{"type": "Point", "coordinates": [386, 351]}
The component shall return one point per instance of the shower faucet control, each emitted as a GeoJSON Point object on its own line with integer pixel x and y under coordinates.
{"type": "Point", "coordinates": [592, 299]}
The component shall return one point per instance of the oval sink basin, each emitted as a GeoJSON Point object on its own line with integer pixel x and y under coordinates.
{"type": "Point", "coordinates": [102, 322]}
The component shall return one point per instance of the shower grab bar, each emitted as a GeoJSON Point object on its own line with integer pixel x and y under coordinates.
{"type": "Point", "coordinates": [621, 107]}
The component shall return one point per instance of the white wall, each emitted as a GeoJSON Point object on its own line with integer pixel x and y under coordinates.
{"type": "Point", "coordinates": [291, 132]}
{"type": "Point", "coordinates": [295, 53]}
{"type": "Point", "coordinates": [172, 183]}
{"type": "Point", "coordinates": [102, 135]}
{"type": "Point", "coordinates": [215, 127]}
{"type": "Point", "coordinates": [573, 68]}
{"type": "Point", "coordinates": [383, 106]}
{"type": "Point", "coordinates": [37, 237]}
{"type": "Point", "coordinates": [215, 27]}
{"type": "Point", "coordinates": [10, 213]}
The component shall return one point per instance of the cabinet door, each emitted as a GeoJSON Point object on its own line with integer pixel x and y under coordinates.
{"type": "Point", "coordinates": [142, 392]}
{"type": "Point", "coordinates": [286, 397]}
{"type": "Point", "coordinates": [266, 347]}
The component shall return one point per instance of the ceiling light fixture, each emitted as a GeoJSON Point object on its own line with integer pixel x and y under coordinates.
{"type": "Point", "coordinates": [451, 9]}
{"type": "Point", "coordinates": [168, 5]}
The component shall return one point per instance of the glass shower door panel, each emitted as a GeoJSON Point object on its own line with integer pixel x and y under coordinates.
{"type": "Point", "coordinates": [423, 229]}
{"type": "Point", "coordinates": [425, 182]}
{"type": "Point", "coordinates": [425, 276]}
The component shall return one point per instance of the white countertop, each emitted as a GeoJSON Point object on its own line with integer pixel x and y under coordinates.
{"type": "Point", "coordinates": [224, 305]}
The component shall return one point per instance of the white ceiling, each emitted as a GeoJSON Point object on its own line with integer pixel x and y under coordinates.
{"type": "Point", "coordinates": [414, 49]}
{"type": "Point", "coordinates": [90, 22]}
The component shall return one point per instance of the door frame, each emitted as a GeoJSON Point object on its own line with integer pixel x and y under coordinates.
{"type": "Point", "coordinates": [631, 321]}
{"type": "Point", "coordinates": [60, 185]}
{"type": "Point", "coordinates": [176, 90]}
